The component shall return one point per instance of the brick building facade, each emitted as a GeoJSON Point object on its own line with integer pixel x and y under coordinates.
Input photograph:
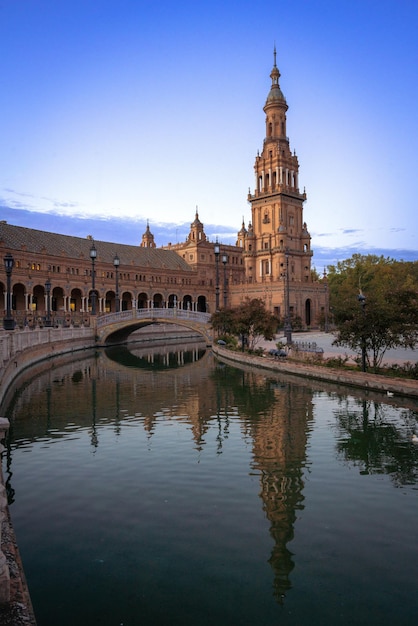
{"type": "Point", "coordinates": [55, 274]}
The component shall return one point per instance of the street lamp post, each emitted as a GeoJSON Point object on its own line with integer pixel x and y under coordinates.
{"type": "Point", "coordinates": [217, 251]}
{"type": "Point", "coordinates": [48, 303]}
{"type": "Point", "coordinates": [116, 263]}
{"type": "Point", "coordinates": [225, 261]}
{"type": "Point", "coordinates": [93, 255]}
{"type": "Point", "coordinates": [362, 300]}
{"type": "Point", "coordinates": [287, 323]}
{"type": "Point", "coordinates": [8, 321]}
{"type": "Point", "coordinates": [326, 325]}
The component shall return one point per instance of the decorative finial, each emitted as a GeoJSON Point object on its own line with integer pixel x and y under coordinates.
{"type": "Point", "coordinates": [274, 54]}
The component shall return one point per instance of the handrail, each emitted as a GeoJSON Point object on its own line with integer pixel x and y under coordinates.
{"type": "Point", "coordinates": [155, 314]}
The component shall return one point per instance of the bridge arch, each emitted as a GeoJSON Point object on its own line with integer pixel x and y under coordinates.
{"type": "Point", "coordinates": [116, 327]}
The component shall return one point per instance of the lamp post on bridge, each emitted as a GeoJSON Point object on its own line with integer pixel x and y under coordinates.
{"type": "Point", "coordinates": [48, 322]}
{"type": "Point", "coordinates": [217, 251]}
{"type": "Point", "coordinates": [8, 321]}
{"type": "Point", "coordinates": [116, 263]}
{"type": "Point", "coordinates": [225, 261]}
{"type": "Point", "coordinates": [93, 255]}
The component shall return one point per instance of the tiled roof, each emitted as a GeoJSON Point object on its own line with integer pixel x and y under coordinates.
{"type": "Point", "coordinates": [65, 246]}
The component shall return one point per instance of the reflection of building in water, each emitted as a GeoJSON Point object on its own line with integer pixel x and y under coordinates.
{"type": "Point", "coordinates": [279, 455]}
{"type": "Point", "coordinates": [94, 392]}
{"type": "Point", "coordinates": [118, 392]}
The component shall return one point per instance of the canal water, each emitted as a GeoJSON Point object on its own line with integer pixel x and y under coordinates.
{"type": "Point", "coordinates": [159, 486]}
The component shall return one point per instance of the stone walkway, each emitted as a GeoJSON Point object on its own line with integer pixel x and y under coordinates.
{"type": "Point", "coordinates": [324, 341]}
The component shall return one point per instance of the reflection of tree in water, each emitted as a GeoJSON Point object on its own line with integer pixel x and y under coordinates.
{"type": "Point", "coordinates": [377, 439]}
{"type": "Point", "coordinates": [275, 416]}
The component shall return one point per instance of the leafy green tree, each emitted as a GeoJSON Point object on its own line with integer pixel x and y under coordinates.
{"type": "Point", "coordinates": [387, 317]}
{"type": "Point", "coordinates": [251, 321]}
{"type": "Point", "coordinates": [223, 321]}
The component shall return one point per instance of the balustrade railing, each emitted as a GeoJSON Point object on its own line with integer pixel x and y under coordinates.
{"type": "Point", "coordinates": [167, 314]}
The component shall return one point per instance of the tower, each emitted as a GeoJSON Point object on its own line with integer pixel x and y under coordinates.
{"type": "Point", "coordinates": [197, 233]}
{"type": "Point", "coordinates": [277, 203]}
{"type": "Point", "coordinates": [147, 238]}
{"type": "Point", "coordinates": [276, 246]}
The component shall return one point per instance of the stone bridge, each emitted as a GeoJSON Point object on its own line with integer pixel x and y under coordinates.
{"type": "Point", "coordinates": [115, 327]}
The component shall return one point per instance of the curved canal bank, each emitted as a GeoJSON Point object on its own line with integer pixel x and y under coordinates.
{"type": "Point", "coordinates": [360, 380]}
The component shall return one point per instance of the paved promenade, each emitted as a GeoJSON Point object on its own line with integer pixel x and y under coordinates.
{"type": "Point", "coordinates": [324, 341]}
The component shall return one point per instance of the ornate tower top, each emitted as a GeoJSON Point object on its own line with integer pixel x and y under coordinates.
{"type": "Point", "coordinates": [197, 233]}
{"type": "Point", "coordinates": [275, 95]}
{"type": "Point", "coordinates": [275, 107]}
{"type": "Point", "coordinates": [147, 239]}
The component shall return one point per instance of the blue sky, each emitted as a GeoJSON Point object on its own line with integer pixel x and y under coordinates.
{"type": "Point", "coordinates": [118, 111]}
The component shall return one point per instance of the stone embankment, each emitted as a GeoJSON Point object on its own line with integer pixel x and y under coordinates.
{"type": "Point", "coordinates": [15, 603]}
{"type": "Point", "coordinates": [361, 380]}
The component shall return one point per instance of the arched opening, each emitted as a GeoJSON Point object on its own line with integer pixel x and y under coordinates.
{"type": "Point", "coordinates": [142, 301]}
{"type": "Point", "coordinates": [38, 300]}
{"type": "Point", "coordinates": [308, 312]}
{"type": "Point", "coordinates": [201, 304]}
{"type": "Point", "coordinates": [57, 299]}
{"type": "Point", "coordinates": [126, 301]}
{"type": "Point", "coordinates": [110, 302]}
{"type": "Point", "coordinates": [157, 301]}
{"type": "Point", "coordinates": [172, 301]}
{"type": "Point", "coordinates": [187, 303]}
{"type": "Point", "coordinates": [75, 301]}
{"type": "Point", "coordinates": [18, 297]}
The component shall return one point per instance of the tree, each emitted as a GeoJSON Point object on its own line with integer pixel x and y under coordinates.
{"type": "Point", "coordinates": [388, 317]}
{"type": "Point", "coordinates": [223, 321]}
{"type": "Point", "coordinates": [251, 321]}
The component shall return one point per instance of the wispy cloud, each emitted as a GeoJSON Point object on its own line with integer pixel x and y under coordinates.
{"type": "Point", "coordinates": [24, 194]}
{"type": "Point", "coordinates": [351, 231]}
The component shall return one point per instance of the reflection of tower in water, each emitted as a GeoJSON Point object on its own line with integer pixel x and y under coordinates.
{"type": "Point", "coordinates": [279, 455]}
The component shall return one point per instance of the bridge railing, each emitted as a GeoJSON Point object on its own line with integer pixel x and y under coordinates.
{"type": "Point", "coordinates": [157, 314]}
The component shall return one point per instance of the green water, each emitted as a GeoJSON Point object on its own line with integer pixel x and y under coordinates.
{"type": "Point", "coordinates": [170, 489]}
